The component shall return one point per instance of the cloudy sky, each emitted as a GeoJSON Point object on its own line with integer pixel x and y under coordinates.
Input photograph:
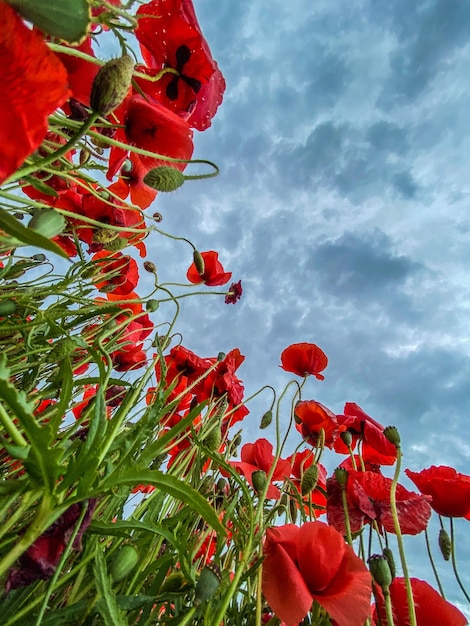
{"type": "Point", "coordinates": [343, 205]}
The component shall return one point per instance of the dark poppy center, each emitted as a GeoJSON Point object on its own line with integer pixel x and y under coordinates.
{"type": "Point", "coordinates": [183, 54]}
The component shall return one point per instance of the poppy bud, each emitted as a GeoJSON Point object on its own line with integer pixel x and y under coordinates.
{"type": "Point", "coordinates": [116, 244]}
{"type": "Point", "coordinates": [124, 562]}
{"type": "Point", "coordinates": [198, 262]}
{"type": "Point", "coordinates": [309, 480]}
{"type": "Point", "coordinates": [173, 583]}
{"type": "Point", "coordinates": [259, 480]}
{"type": "Point", "coordinates": [293, 510]}
{"type": "Point", "coordinates": [38, 258]}
{"type": "Point", "coordinates": [392, 434]}
{"type": "Point", "coordinates": [152, 305]}
{"type": "Point", "coordinates": [266, 419]}
{"type": "Point", "coordinates": [104, 235]}
{"type": "Point", "coordinates": [47, 222]}
{"type": "Point", "coordinates": [388, 554]}
{"type": "Point", "coordinates": [7, 307]}
{"type": "Point", "coordinates": [221, 484]}
{"type": "Point", "coordinates": [150, 267]}
{"type": "Point", "coordinates": [341, 476]}
{"type": "Point", "coordinates": [380, 570]}
{"type": "Point", "coordinates": [111, 84]}
{"type": "Point", "coordinates": [207, 584]}
{"type": "Point", "coordinates": [346, 438]}
{"type": "Point", "coordinates": [445, 544]}
{"type": "Point", "coordinates": [164, 178]}
{"type": "Point", "coordinates": [212, 439]}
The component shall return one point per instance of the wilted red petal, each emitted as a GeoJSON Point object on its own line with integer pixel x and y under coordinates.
{"type": "Point", "coordinates": [304, 359]}
{"type": "Point", "coordinates": [34, 83]}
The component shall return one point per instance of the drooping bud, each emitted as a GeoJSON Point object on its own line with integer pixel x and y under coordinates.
{"type": "Point", "coordinates": [259, 479]}
{"type": "Point", "coordinates": [150, 267]}
{"type": "Point", "coordinates": [207, 584]}
{"type": "Point", "coordinates": [152, 305]}
{"type": "Point", "coordinates": [124, 562]}
{"type": "Point", "coordinates": [266, 419]}
{"type": "Point", "coordinates": [199, 262]}
{"type": "Point", "coordinates": [445, 544]}
{"type": "Point", "coordinates": [380, 570]}
{"type": "Point", "coordinates": [293, 510]}
{"type": "Point", "coordinates": [347, 438]}
{"type": "Point", "coordinates": [341, 476]}
{"type": "Point", "coordinates": [164, 178]}
{"type": "Point", "coordinates": [111, 85]}
{"type": "Point", "coordinates": [388, 554]}
{"type": "Point", "coordinates": [309, 480]}
{"type": "Point", "coordinates": [392, 434]}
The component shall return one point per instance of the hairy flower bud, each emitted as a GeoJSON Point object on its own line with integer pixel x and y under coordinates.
{"type": "Point", "coordinates": [47, 222]}
{"type": "Point", "coordinates": [164, 178]}
{"type": "Point", "coordinates": [111, 85]}
{"type": "Point", "coordinates": [445, 544]}
{"type": "Point", "coordinates": [198, 262]}
{"type": "Point", "coordinates": [152, 305]}
{"type": "Point", "coordinates": [150, 267]}
{"type": "Point", "coordinates": [309, 480]}
{"type": "Point", "coordinates": [259, 480]}
{"type": "Point", "coordinates": [116, 244]}
{"type": "Point", "coordinates": [124, 562]}
{"type": "Point", "coordinates": [207, 584]}
{"type": "Point", "coordinates": [388, 554]}
{"type": "Point", "coordinates": [212, 439]}
{"type": "Point", "coordinates": [266, 419]}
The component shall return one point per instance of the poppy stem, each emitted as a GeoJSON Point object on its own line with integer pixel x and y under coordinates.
{"type": "Point", "coordinates": [388, 608]}
{"type": "Point", "coordinates": [454, 560]}
{"type": "Point", "coordinates": [433, 565]}
{"type": "Point", "coordinates": [401, 548]}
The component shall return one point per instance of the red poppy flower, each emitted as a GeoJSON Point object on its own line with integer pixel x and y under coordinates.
{"type": "Point", "coordinates": [429, 605]}
{"type": "Point", "coordinates": [170, 36]}
{"type": "Point", "coordinates": [118, 273]}
{"type": "Point", "coordinates": [213, 275]}
{"type": "Point", "coordinates": [150, 126]}
{"type": "Point", "coordinates": [34, 83]}
{"type": "Point", "coordinates": [259, 456]}
{"type": "Point", "coordinates": [368, 498]}
{"type": "Point", "coordinates": [449, 490]}
{"type": "Point", "coordinates": [132, 358]}
{"type": "Point", "coordinates": [376, 448]}
{"type": "Point", "coordinates": [304, 359]}
{"type": "Point", "coordinates": [81, 72]}
{"type": "Point", "coordinates": [131, 181]}
{"type": "Point", "coordinates": [311, 563]}
{"type": "Point", "coordinates": [311, 418]}
{"type": "Point", "coordinates": [223, 380]}
{"type": "Point", "coordinates": [235, 293]}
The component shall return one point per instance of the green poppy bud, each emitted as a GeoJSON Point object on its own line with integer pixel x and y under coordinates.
{"type": "Point", "coordinates": [47, 222]}
{"type": "Point", "coordinates": [293, 510]}
{"type": "Point", "coordinates": [199, 263]}
{"type": "Point", "coordinates": [259, 480]}
{"type": "Point", "coordinates": [392, 434]}
{"type": "Point", "coordinates": [213, 439]}
{"type": "Point", "coordinates": [150, 267]}
{"type": "Point", "coordinates": [164, 178]}
{"type": "Point", "coordinates": [152, 305]}
{"type": "Point", "coordinates": [104, 235]}
{"type": "Point", "coordinates": [309, 480]}
{"type": "Point", "coordinates": [388, 554]}
{"type": "Point", "coordinates": [207, 584]}
{"type": "Point", "coordinates": [116, 244]}
{"type": "Point", "coordinates": [124, 562]}
{"type": "Point", "coordinates": [7, 307]}
{"type": "Point", "coordinates": [111, 85]}
{"type": "Point", "coordinates": [445, 544]}
{"type": "Point", "coordinates": [380, 570]}
{"type": "Point", "coordinates": [347, 438]}
{"type": "Point", "coordinates": [266, 419]}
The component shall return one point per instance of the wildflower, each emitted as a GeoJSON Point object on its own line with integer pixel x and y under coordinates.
{"type": "Point", "coordinates": [234, 293]}
{"type": "Point", "coordinates": [213, 274]}
{"type": "Point", "coordinates": [449, 490]}
{"type": "Point", "coordinates": [304, 359]}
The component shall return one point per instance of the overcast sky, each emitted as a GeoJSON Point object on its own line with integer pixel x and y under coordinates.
{"type": "Point", "coordinates": [343, 205]}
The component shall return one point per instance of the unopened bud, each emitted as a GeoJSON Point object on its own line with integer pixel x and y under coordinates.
{"type": "Point", "coordinates": [445, 544]}
{"type": "Point", "coordinates": [150, 267]}
{"type": "Point", "coordinates": [309, 480]}
{"type": "Point", "coordinates": [392, 434]}
{"type": "Point", "coordinates": [47, 222]}
{"type": "Point", "coordinates": [380, 570]}
{"type": "Point", "coordinates": [259, 480]}
{"type": "Point", "coordinates": [293, 510]}
{"type": "Point", "coordinates": [152, 305]}
{"type": "Point", "coordinates": [111, 85]}
{"type": "Point", "coordinates": [124, 562]}
{"type": "Point", "coordinates": [212, 439]}
{"type": "Point", "coordinates": [198, 262]}
{"type": "Point", "coordinates": [104, 235]}
{"type": "Point", "coordinates": [7, 307]}
{"type": "Point", "coordinates": [164, 178]}
{"type": "Point", "coordinates": [266, 419]}
{"type": "Point", "coordinates": [116, 244]}
{"type": "Point", "coordinates": [346, 438]}
{"type": "Point", "coordinates": [388, 554]}
{"type": "Point", "coordinates": [207, 584]}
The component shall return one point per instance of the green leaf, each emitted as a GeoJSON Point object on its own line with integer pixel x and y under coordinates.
{"type": "Point", "coordinates": [107, 604]}
{"type": "Point", "coordinates": [66, 19]}
{"type": "Point", "coordinates": [173, 487]}
{"type": "Point", "coordinates": [27, 236]}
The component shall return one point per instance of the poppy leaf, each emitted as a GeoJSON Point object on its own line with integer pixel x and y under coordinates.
{"type": "Point", "coordinates": [27, 236]}
{"type": "Point", "coordinates": [106, 605]}
{"type": "Point", "coordinates": [66, 19]}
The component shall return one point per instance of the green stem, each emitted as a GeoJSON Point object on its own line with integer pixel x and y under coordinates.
{"type": "Point", "coordinates": [11, 429]}
{"type": "Point", "coordinates": [344, 500]}
{"type": "Point", "coordinates": [401, 548]}
{"type": "Point", "coordinates": [454, 560]}
{"type": "Point", "coordinates": [433, 565]}
{"type": "Point", "coordinates": [388, 608]}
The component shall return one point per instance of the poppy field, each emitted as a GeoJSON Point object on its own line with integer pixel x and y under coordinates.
{"type": "Point", "coordinates": [129, 492]}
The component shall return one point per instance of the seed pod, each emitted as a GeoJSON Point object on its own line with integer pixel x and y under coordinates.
{"type": "Point", "coordinates": [309, 480]}
{"type": "Point", "coordinates": [380, 570]}
{"type": "Point", "coordinates": [152, 305]}
{"type": "Point", "coordinates": [47, 222]}
{"type": "Point", "coordinates": [124, 562]}
{"type": "Point", "coordinates": [207, 584]}
{"type": "Point", "coordinates": [111, 85]}
{"type": "Point", "coordinates": [164, 178]}
{"type": "Point", "coordinates": [341, 476]}
{"type": "Point", "coordinates": [445, 544]}
{"type": "Point", "coordinates": [259, 480]}
{"type": "Point", "coordinates": [392, 434]}
{"type": "Point", "coordinates": [347, 438]}
{"type": "Point", "coordinates": [293, 510]}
